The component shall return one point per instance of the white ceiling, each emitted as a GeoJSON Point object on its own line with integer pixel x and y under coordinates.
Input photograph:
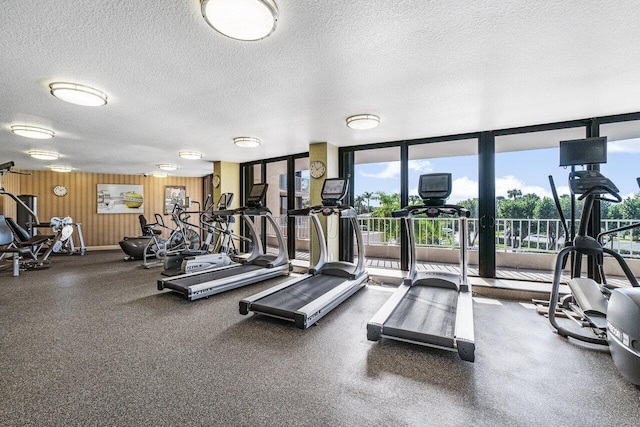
{"type": "Point", "coordinates": [427, 68]}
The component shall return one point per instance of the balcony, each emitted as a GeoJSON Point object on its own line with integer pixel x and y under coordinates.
{"type": "Point", "coordinates": [521, 244]}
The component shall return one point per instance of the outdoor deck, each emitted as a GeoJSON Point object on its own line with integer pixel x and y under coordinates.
{"type": "Point", "coordinates": [501, 273]}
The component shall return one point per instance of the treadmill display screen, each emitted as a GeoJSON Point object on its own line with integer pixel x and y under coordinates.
{"type": "Point", "coordinates": [586, 151]}
{"type": "Point", "coordinates": [435, 186]}
{"type": "Point", "coordinates": [334, 189]}
{"type": "Point", "coordinates": [257, 192]}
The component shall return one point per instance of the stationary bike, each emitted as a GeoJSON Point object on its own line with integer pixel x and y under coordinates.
{"type": "Point", "coordinates": [612, 314]}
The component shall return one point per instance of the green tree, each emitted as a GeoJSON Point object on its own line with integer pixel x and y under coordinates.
{"type": "Point", "coordinates": [471, 205]}
{"type": "Point", "coordinates": [545, 209]}
{"type": "Point", "coordinates": [630, 207]}
{"type": "Point", "coordinates": [388, 204]}
{"type": "Point", "coordinates": [414, 199]}
{"type": "Point", "coordinates": [358, 201]}
{"type": "Point", "coordinates": [513, 194]}
{"type": "Point", "coordinates": [368, 196]}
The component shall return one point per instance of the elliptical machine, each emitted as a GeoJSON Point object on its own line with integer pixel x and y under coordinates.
{"type": "Point", "coordinates": [612, 314]}
{"type": "Point", "coordinates": [211, 255]}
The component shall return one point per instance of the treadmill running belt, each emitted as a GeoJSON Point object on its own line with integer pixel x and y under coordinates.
{"type": "Point", "coordinates": [286, 301]}
{"type": "Point", "coordinates": [196, 279]}
{"type": "Point", "coordinates": [425, 314]}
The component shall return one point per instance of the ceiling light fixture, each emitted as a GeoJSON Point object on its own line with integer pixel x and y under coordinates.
{"type": "Point", "coordinates": [160, 174]}
{"type": "Point", "coordinates": [78, 94]}
{"type": "Point", "coordinates": [32, 132]}
{"type": "Point", "coordinates": [61, 168]}
{"type": "Point", "coordinates": [190, 155]}
{"type": "Point", "coordinates": [167, 166]}
{"type": "Point", "coordinates": [247, 20]}
{"type": "Point", "coordinates": [363, 121]}
{"type": "Point", "coordinates": [246, 142]}
{"type": "Point", "coordinates": [43, 155]}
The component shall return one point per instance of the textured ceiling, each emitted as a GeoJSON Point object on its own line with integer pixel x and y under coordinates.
{"type": "Point", "coordinates": [426, 67]}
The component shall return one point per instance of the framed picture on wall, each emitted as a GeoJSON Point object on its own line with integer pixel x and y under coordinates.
{"type": "Point", "coordinates": [117, 198]}
{"type": "Point", "coordinates": [173, 195]}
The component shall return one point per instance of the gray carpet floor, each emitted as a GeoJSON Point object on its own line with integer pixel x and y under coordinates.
{"type": "Point", "coordinates": [90, 341]}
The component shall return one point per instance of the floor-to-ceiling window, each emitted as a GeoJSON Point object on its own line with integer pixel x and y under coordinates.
{"type": "Point", "coordinates": [376, 183]}
{"type": "Point", "coordinates": [528, 229]}
{"type": "Point", "coordinates": [435, 237]}
{"type": "Point", "coordinates": [623, 168]}
{"type": "Point", "coordinates": [288, 180]}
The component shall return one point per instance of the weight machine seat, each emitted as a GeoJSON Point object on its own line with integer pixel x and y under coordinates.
{"type": "Point", "coordinates": [147, 229]}
{"type": "Point", "coordinates": [22, 237]}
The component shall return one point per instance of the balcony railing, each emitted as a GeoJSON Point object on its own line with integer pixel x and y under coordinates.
{"type": "Point", "coordinates": [519, 235]}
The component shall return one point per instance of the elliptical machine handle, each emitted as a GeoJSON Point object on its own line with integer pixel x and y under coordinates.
{"type": "Point", "coordinates": [159, 220]}
{"type": "Point", "coordinates": [616, 197]}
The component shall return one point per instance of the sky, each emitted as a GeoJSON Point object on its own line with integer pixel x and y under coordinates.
{"type": "Point", "coordinates": [527, 171]}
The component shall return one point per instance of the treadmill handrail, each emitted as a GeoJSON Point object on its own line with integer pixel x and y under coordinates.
{"type": "Point", "coordinates": [421, 209]}
{"type": "Point", "coordinates": [345, 211]}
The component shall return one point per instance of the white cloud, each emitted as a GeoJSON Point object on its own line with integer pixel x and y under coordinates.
{"type": "Point", "coordinates": [624, 146]}
{"type": "Point", "coordinates": [392, 169]}
{"type": "Point", "coordinates": [462, 189]}
{"type": "Point", "coordinates": [510, 182]}
{"type": "Point", "coordinates": [420, 166]}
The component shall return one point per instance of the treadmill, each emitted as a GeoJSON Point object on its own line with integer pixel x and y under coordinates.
{"type": "Point", "coordinates": [430, 308]}
{"type": "Point", "coordinates": [257, 267]}
{"type": "Point", "coordinates": [306, 299]}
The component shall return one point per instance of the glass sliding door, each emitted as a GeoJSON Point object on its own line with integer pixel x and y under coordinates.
{"type": "Point", "coordinates": [435, 237]}
{"type": "Point", "coordinates": [376, 178]}
{"type": "Point", "coordinates": [622, 167]}
{"type": "Point", "coordinates": [277, 200]}
{"type": "Point", "coordinates": [299, 225]}
{"type": "Point", "coordinates": [528, 228]}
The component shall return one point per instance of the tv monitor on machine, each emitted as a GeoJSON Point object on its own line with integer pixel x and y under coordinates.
{"type": "Point", "coordinates": [588, 151]}
{"type": "Point", "coordinates": [435, 186]}
{"type": "Point", "coordinates": [334, 189]}
{"type": "Point", "coordinates": [257, 193]}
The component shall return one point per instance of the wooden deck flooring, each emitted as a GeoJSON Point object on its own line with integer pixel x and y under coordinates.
{"type": "Point", "coordinates": [501, 273]}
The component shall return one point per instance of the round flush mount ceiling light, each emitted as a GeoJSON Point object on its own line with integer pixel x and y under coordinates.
{"type": "Point", "coordinates": [43, 155]}
{"type": "Point", "coordinates": [246, 142]}
{"type": "Point", "coordinates": [32, 132]}
{"type": "Point", "coordinates": [61, 168]}
{"type": "Point", "coordinates": [78, 94]}
{"type": "Point", "coordinates": [167, 166]}
{"type": "Point", "coordinates": [190, 155]}
{"type": "Point", "coordinates": [247, 20]}
{"type": "Point", "coordinates": [363, 121]}
{"type": "Point", "coordinates": [160, 174]}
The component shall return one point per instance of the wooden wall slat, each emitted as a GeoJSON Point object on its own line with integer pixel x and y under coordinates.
{"type": "Point", "coordinates": [81, 201]}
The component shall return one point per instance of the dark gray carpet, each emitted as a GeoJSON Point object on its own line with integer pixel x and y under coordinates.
{"type": "Point", "coordinates": [91, 341]}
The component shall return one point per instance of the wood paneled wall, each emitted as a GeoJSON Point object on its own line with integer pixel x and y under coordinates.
{"type": "Point", "coordinates": [81, 201]}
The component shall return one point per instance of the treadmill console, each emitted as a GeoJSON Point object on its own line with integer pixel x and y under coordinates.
{"type": "Point", "coordinates": [257, 195]}
{"type": "Point", "coordinates": [434, 188]}
{"type": "Point", "coordinates": [333, 191]}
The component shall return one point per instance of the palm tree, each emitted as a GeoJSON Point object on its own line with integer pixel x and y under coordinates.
{"type": "Point", "coordinates": [512, 194]}
{"type": "Point", "coordinates": [367, 195]}
{"type": "Point", "coordinates": [359, 203]}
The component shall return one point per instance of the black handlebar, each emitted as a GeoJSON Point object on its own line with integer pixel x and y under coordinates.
{"type": "Point", "coordinates": [598, 190]}
{"type": "Point", "coordinates": [325, 210]}
{"type": "Point", "coordinates": [432, 211]}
